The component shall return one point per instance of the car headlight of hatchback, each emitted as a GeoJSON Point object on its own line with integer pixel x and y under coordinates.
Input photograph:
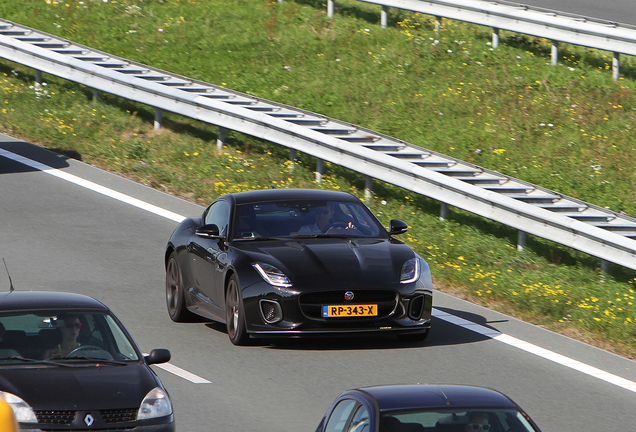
{"type": "Point", "coordinates": [155, 404]}
{"type": "Point", "coordinates": [410, 271]}
{"type": "Point", "coordinates": [22, 411]}
{"type": "Point", "coordinates": [272, 275]}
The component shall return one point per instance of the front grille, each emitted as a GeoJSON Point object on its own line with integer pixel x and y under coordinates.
{"type": "Point", "coordinates": [55, 417]}
{"type": "Point", "coordinates": [119, 415]}
{"type": "Point", "coordinates": [311, 303]}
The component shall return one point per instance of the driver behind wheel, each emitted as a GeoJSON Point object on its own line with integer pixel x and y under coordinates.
{"type": "Point", "coordinates": [323, 217]}
{"type": "Point", "coordinates": [70, 331]}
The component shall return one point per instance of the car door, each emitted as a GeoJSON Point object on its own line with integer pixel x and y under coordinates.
{"type": "Point", "coordinates": [210, 259]}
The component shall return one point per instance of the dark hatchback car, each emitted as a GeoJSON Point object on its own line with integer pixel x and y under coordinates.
{"type": "Point", "coordinates": [296, 262]}
{"type": "Point", "coordinates": [425, 408]}
{"type": "Point", "coordinates": [67, 363]}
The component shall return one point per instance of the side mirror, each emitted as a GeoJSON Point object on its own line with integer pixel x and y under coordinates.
{"type": "Point", "coordinates": [209, 231]}
{"type": "Point", "coordinates": [159, 355]}
{"type": "Point", "coordinates": [396, 226]}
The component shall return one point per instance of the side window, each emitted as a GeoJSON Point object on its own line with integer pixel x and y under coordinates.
{"type": "Point", "coordinates": [340, 415]}
{"type": "Point", "coordinates": [360, 421]}
{"type": "Point", "coordinates": [219, 215]}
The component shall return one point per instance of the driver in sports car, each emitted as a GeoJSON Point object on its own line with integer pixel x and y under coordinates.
{"type": "Point", "coordinates": [323, 220]}
{"type": "Point", "coordinates": [70, 332]}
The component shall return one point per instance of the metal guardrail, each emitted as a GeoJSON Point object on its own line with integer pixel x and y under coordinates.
{"type": "Point", "coordinates": [545, 23]}
{"type": "Point", "coordinates": [521, 205]}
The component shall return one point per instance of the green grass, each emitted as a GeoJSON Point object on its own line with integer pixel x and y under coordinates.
{"type": "Point", "coordinates": [569, 128]}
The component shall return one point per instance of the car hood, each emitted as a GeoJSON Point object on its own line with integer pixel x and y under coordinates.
{"type": "Point", "coordinates": [332, 262]}
{"type": "Point", "coordinates": [84, 387]}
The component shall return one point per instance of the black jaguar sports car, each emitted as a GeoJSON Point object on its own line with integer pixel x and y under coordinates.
{"type": "Point", "coordinates": [296, 262]}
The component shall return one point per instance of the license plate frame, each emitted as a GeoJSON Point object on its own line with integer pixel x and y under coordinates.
{"type": "Point", "coordinates": [349, 310]}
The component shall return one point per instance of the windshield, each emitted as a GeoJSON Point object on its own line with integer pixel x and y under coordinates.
{"type": "Point", "coordinates": [62, 336]}
{"type": "Point", "coordinates": [458, 420]}
{"type": "Point", "coordinates": [296, 218]}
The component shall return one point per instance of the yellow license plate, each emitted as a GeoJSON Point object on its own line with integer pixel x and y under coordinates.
{"type": "Point", "coordinates": [349, 310]}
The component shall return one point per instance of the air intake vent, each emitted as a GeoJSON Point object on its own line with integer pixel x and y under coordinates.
{"type": "Point", "coordinates": [55, 417]}
{"type": "Point", "coordinates": [416, 307]}
{"type": "Point", "coordinates": [271, 310]}
{"type": "Point", "coordinates": [119, 415]}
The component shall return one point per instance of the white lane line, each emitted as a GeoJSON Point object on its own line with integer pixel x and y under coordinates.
{"type": "Point", "coordinates": [537, 350]}
{"type": "Point", "coordinates": [485, 331]}
{"type": "Point", "coordinates": [169, 367]}
{"type": "Point", "coordinates": [92, 186]}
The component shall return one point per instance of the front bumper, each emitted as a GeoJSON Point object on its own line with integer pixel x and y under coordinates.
{"type": "Point", "coordinates": [407, 312]}
{"type": "Point", "coordinates": [163, 424]}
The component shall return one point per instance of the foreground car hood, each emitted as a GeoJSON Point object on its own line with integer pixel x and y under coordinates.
{"type": "Point", "coordinates": [79, 388]}
{"type": "Point", "coordinates": [332, 262]}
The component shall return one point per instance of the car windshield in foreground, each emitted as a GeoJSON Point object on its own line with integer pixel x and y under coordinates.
{"type": "Point", "coordinates": [457, 420]}
{"type": "Point", "coordinates": [304, 219]}
{"type": "Point", "coordinates": [48, 337]}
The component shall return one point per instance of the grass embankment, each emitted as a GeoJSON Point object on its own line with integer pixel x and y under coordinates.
{"type": "Point", "coordinates": [569, 128]}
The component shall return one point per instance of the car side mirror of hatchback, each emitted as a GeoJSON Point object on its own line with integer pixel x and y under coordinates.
{"type": "Point", "coordinates": [396, 226]}
{"type": "Point", "coordinates": [209, 231]}
{"type": "Point", "coordinates": [159, 355]}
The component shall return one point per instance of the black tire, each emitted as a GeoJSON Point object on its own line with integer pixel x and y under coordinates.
{"type": "Point", "coordinates": [175, 300]}
{"type": "Point", "coordinates": [415, 337]}
{"type": "Point", "coordinates": [234, 314]}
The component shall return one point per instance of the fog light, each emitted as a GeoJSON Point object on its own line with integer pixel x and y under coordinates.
{"type": "Point", "coordinates": [416, 307]}
{"type": "Point", "coordinates": [271, 310]}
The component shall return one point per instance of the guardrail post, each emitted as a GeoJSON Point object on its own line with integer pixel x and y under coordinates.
{"type": "Point", "coordinates": [293, 157]}
{"type": "Point", "coordinates": [495, 38]}
{"type": "Point", "coordinates": [521, 240]}
{"type": "Point", "coordinates": [616, 66]}
{"type": "Point", "coordinates": [220, 139]}
{"type": "Point", "coordinates": [158, 118]}
{"type": "Point", "coordinates": [604, 269]}
{"type": "Point", "coordinates": [329, 8]}
{"type": "Point", "coordinates": [443, 211]}
{"type": "Point", "coordinates": [384, 16]}
{"type": "Point", "coordinates": [320, 170]}
{"type": "Point", "coordinates": [38, 76]}
{"type": "Point", "coordinates": [368, 188]}
{"type": "Point", "coordinates": [438, 23]}
{"type": "Point", "coordinates": [96, 94]}
{"type": "Point", "coordinates": [555, 53]}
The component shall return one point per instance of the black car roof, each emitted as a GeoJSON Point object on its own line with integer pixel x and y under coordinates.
{"type": "Point", "coordinates": [31, 300]}
{"type": "Point", "coordinates": [396, 397]}
{"type": "Point", "coordinates": [282, 194]}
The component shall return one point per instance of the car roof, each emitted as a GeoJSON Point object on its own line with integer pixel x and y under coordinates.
{"type": "Point", "coordinates": [397, 397]}
{"type": "Point", "coordinates": [31, 300]}
{"type": "Point", "coordinates": [283, 194]}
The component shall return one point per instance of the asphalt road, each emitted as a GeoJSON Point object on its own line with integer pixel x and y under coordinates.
{"type": "Point", "coordinates": [621, 11]}
{"type": "Point", "coordinates": [58, 235]}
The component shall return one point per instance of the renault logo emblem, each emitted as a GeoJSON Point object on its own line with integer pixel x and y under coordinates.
{"type": "Point", "coordinates": [349, 296]}
{"type": "Point", "coordinates": [89, 420]}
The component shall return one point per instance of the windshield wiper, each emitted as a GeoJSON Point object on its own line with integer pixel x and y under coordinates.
{"type": "Point", "coordinates": [35, 361]}
{"type": "Point", "coordinates": [263, 238]}
{"type": "Point", "coordinates": [99, 360]}
{"type": "Point", "coordinates": [324, 235]}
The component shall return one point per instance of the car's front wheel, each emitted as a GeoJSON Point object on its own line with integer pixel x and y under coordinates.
{"type": "Point", "coordinates": [175, 299]}
{"type": "Point", "coordinates": [234, 315]}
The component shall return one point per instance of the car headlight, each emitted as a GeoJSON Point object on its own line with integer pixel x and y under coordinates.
{"type": "Point", "coordinates": [272, 275]}
{"type": "Point", "coordinates": [22, 411]}
{"type": "Point", "coordinates": [155, 404]}
{"type": "Point", "coordinates": [410, 271]}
